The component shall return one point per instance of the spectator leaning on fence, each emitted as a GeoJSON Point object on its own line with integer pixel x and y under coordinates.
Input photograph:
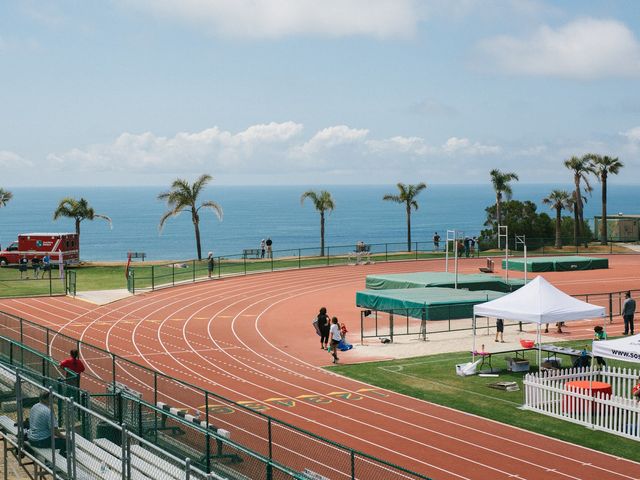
{"type": "Point", "coordinates": [74, 364]}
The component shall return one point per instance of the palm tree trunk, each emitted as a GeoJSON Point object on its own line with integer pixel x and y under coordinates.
{"type": "Point", "coordinates": [498, 213]}
{"type": "Point", "coordinates": [322, 234]}
{"type": "Point", "coordinates": [78, 234]}
{"type": "Point", "coordinates": [558, 223]}
{"type": "Point", "coordinates": [603, 223]}
{"type": "Point", "coordinates": [578, 208]}
{"type": "Point", "coordinates": [575, 224]}
{"type": "Point", "coordinates": [196, 226]}
{"type": "Point", "coordinates": [409, 228]}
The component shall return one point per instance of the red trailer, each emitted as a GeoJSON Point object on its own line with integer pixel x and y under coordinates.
{"type": "Point", "coordinates": [59, 246]}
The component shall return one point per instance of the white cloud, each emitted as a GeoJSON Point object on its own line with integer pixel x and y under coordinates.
{"type": "Point", "coordinates": [584, 49]}
{"type": "Point", "coordinates": [282, 153]}
{"type": "Point", "coordinates": [633, 135]}
{"type": "Point", "coordinates": [407, 145]}
{"type": "Point", "coordinates": [279, 18]}
{"type": "Point", "coordinates": [209, 149]}
{"type": "Point", "coordinates": [263, 149]}
{"type": "Point", "coordinates": [332, 137]}
{"type": "Point", "coordinates": [464, 146]}
{"type": "Point", "coordinates": [12, 161]}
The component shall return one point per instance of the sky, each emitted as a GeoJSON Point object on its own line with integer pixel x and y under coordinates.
{"type": "Point", "coordinates": [291, 92]}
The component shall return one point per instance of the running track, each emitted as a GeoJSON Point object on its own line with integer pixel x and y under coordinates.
{"type": "Point", "coordinates": [249, 339]}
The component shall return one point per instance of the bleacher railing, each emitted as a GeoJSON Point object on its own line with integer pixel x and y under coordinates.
{"type": "Point", "coordinates": [94, 445]}
{"type": "Point", "coordinates": [153, 276]}
{"type": "Point", "coordinates": [279, 442]}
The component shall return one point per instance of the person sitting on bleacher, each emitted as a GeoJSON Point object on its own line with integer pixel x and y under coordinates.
{"type": "Point", "coordinates": [40, 426]}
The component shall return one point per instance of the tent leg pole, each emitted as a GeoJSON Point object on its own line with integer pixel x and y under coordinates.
{"type": "Point", "coordinates": [539, 349]}
{"type": "Point", "coordinates": [473, 327]}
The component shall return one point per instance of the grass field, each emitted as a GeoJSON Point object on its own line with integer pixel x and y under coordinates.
{"type": "Point", "coordinates": [433, 379]}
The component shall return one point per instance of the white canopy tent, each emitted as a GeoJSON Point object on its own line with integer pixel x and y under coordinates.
{"type": "Point", "coordinates": [537, 302]}
{"type": "Point", "coordinates": [625, 348]}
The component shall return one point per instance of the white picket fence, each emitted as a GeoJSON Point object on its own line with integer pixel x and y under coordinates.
{"type": "Point", "coordinates": [546, 392]}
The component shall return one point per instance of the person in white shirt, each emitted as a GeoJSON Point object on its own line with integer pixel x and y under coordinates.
{"type": "Point", "coordinates": [334, 337]}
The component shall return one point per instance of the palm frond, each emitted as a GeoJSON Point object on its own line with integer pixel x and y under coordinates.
{"type": "Point", "coordinates": [106, 218]}
{"type": "Point", "coordinates": [313, 196]}
{"type": "Point", "coordinates": [217, 209]}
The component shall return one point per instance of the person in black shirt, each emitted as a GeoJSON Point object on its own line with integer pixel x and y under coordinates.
{"type": "Point", "coordinates": [36, 264]}
{"type": "Point", "coordinates": [269, 244]}
{"type": "Point", "coordinates": [323, 325]}
{"type": "Point", "coordinates": [22, 266]}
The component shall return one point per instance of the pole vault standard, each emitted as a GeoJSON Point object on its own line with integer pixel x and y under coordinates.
{"type": "Point", "coordinates": [503, 232]}
{"type": "Point", "coordinates": [453, 235]}
{"type": "Point", "coordinates": [521, 240]}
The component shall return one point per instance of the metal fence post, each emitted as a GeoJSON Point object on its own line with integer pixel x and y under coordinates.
{"type": "Point", "coordinates": [386, 252]}
{"type": "Point", "coordinates": [416, 250]}
{"type": "Point", "coordinates": [153, 278]}
{"type": "Point", "coordinates": [50, 285]}
{"type": "Point", "coordinates": [353, 465]}
{"type": "Point", "coordinates": [299, 259]}
{"type": "Point", "coordinates": [328, 255]}
{"type": "Point", "coordinates": [611, 308]}
{"type": "Point", "coordinates": [269, 466]}
{"type": "Point", "coordinates": [123, 446]}
{"type": "Point", "coordinates": [244, 261]}
{"type": "Point", "coordinates": [173, 274]}
{"type": "Point", "coordinates": [193, 262]}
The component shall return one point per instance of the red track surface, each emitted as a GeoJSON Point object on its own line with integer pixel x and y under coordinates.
{"type": "Point", "coordinates": [250, 339]}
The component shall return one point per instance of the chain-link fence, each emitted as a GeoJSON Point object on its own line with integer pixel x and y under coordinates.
{"type": "Point", "coordinates": [151, 277]}
{"type": "Point", "coordinates": [31, 282]}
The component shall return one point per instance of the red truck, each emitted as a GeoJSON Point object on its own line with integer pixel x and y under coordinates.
{"type": "Point", "coordinates": [38, 245]}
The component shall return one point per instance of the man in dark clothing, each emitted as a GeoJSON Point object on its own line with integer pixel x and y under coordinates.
{"type": "Point", "coordinates": [269, 248]}
{"type": "Point", "coordinates": [628, 311]}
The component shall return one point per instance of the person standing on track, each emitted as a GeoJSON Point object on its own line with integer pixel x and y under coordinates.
{"type": "Point", "coordinates": [269, 244]}
{"type": "Point", "coordinates": [210, 264]}
{"type": "Point", "coordinates": [334, 335]}
{"type": "Point", "coordinates": [628, 311]}
{"type": "Point", "coordinates": [500, 329]}
{"type": "Point", "coordinates": [323, 325]}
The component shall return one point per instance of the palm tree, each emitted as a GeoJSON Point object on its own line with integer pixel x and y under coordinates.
{"type": "Point", "coordinates": [5, 196]}
{"type": "Point", "coordinates": [183, 196]}
{"type": "Point", "coordinates": [559, 200]}
{"type": "Point", "coordinates": [603, 166]}
{"type": "Point", "coordinates": [501, 186]}
{"type": "Point", "coordinates": [407, 195]}
{"type": "Point", "coordinates": [79, 210]}
{"type": "Point", "coordinates": [581, 168]}
{"type": "Point", "coordinates": [322, 202]}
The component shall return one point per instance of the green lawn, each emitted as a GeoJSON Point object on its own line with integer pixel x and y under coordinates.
{"type": "Point", "coordinates": [433, 379]}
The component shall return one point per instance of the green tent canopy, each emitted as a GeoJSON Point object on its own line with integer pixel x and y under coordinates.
{"type": "Point", "coordinates": [472, 282]}
{"type": "Point", "coordinates": [435, 303]}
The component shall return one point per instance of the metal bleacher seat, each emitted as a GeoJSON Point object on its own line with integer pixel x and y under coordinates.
{"type": "Point", "coordinates": [43, 455]}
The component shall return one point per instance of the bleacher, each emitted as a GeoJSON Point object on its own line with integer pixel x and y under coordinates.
{"type": "Point", "coordinates": [91, 456]}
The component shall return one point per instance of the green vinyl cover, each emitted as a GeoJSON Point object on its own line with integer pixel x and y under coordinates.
{"type": "Point", "coordinates": [558, 264]}
{"type": "Point", "coordinates": [435, 303]}
{"type": "Point", "coordinates": [442, 279]}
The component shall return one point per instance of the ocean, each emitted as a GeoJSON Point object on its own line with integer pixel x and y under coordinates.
{"type": "Point", "coordinates": [255, 212]}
